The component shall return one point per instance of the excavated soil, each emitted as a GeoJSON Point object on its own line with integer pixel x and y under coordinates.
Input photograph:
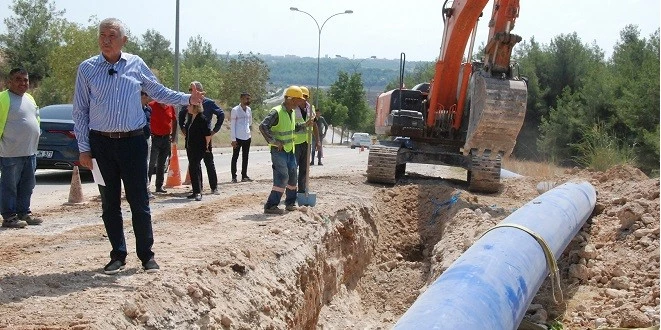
{"type": "Point", "coordinates": [357, 260]}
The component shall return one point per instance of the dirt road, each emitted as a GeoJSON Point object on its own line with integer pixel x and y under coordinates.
{"type": "Point", "coordinates": [356, 260]}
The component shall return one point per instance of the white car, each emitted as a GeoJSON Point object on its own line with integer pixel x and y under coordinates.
{"type": "Point", "coordinates": [360, 140]}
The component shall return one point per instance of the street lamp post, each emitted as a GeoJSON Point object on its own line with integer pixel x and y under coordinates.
{"type": "Point", "coordinates": [319, 28]}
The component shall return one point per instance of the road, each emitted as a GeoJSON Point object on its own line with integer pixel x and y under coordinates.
{"type": "Point", "coordinates": [53, 186]}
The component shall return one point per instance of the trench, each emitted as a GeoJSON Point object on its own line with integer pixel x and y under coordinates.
{"type": "Point", "coordinates": [370, 267]}
{"type": "Point", "coordinates": [360, 266]}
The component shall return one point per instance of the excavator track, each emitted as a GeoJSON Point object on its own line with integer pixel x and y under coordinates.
{"type": "Point", "coordinates": [382, 164]}
{"type": "Point", "coordinates": [484, 173]}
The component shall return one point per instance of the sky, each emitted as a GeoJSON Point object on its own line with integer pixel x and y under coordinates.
{"type": "Point", "coordinates": [381, 28]}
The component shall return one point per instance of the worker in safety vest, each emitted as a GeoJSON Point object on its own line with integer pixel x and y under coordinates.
{"type": "Point", "coordinates": [302, 139]}
{"type": "Point", "coordinates": [278, 129]}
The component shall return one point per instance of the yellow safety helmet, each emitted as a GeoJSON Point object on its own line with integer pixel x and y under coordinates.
{"type": "Point", "coordinates": [305, 90]}
{"type": "Point", "coordinates": [294, 91]}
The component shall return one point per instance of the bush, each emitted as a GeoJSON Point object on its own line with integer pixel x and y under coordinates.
{"type": "Point", "coordinates": [601, 150]}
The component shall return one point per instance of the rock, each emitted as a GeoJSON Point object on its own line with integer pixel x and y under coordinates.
{"type": "Point", "coordinates": [545, 186]}
{"type": "Point", "coordinates": [579, 271]}
{"type": "Point", "coordinates": [614, 293]}
{"type": "Point", "coordinates": [130, 309]}
{"type": "Point", "coordinates": [588, 252]}
{"type": "Point", "coordinates": [620, 282]}
{"type": "Point", "coordinates": [634, 319]}
{"type": "Point", "coordinates": [647, 218]}
{"type": "Point", "coordinates": [629, 214]}
{"type": "Point", "coordinates": [178, 292]}
{"type": "Point", "coordinates": [225, 321]}
{"type": "Point", "coordinates": [598, 323]}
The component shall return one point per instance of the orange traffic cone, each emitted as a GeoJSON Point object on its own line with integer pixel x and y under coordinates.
{"type": "Point", "coordinates": [187, 180]}
{"type": "Point", "coordinates": [174, 175]}
{"type": "Point", "coordinates": [76, 189]}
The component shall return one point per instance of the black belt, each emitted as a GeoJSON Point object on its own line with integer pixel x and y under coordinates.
{"type": "Point", "coordinates": [160, 136]}
{"type": "Point", "coordinates": [119, 135]}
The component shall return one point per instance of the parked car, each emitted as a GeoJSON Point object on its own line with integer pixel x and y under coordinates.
{"type": "Point", "coordinates": [58, 147]}
{"type": "Point", "coordinates": [360, 140]}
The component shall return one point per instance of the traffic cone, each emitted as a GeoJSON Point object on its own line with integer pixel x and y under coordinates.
{"type": "Point", "coordinates": [187, 180]}
{"type": "Point", "coordinates": [174, 175]}
{"type": "Point", "coordinates": [76, 189]}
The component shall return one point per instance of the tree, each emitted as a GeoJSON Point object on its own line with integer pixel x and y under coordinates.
{"type": "Point", "coordinates": [244, 73]}
{"type": "Point", "coordinates": [348, 91]}
{"type": "Point", "coordinates": [155, 49]}
{"type": "Point", "coordinates": [199, 53]}
{"type": "Point", "coordinates": [76, 45]}
{"type": "Point", "coordinates": [30, 36]}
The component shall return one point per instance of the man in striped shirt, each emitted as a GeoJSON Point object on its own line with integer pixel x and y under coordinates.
{"type": "Point", "coordinates": [109, 122]}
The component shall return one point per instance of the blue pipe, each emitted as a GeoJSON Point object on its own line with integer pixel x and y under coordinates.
{"type": "Point", "coordinates": [491, 284]}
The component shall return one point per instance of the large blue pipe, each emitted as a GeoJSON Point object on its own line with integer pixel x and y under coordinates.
{"type": "Point", "coordinates": [491, 284]}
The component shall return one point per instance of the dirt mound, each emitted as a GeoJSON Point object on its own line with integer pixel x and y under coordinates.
{"type": "Point", "coordinates": [358, 259]}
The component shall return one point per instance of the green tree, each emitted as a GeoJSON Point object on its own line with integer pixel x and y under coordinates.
{"type": "Point", "coordinates": [154, 49]}
{"type": "Point", "coordinates": [635, 66]}
{"type": "Point", "coordinates": [348, 91]}
{"type": "Point", "coordinates": [30, 36]}
{"type": "Point", "coordinates": [76, 44]}
{"type": "Point", "coordinates": [199, 53]}
{"type": "Point", "coordinates": [244, 73]}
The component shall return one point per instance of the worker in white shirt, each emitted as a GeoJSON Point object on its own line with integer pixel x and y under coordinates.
{"type": "Point", "coordinates": [240, 125]}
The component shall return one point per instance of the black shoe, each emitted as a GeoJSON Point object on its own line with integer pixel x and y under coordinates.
{"type": "Point", "coordinates": [246, 179]}
{"type": "Point", "coordinates": [191, 196]}
{"type": "Point", "coordinates": [233, 180]}
{"type": "Point", "coordinates": [198, 197]}
{"type": "Point", "coordinates": [319, 163]}
{"type": "Point", "coordinates": [14, 222]}
{"type": "Point", "coordinates": [273, 210]}
{"type": "Point", "coordinates": [161, 190]}
{"type": "Point", "coordinates": [151, 266]}
{"type": "Point", "coordinates": [312, 163]}
{"type": "Point", "coordinates": [114, 267]}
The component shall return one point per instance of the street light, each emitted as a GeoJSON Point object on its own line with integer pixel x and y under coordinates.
{"type": "Point", "coordinates": [319, 28]}
{"type": "Point", "coordinates": [357, 65]}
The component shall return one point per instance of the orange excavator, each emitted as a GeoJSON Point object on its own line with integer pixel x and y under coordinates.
{"type": "Point", "coordinates": [468, 116]}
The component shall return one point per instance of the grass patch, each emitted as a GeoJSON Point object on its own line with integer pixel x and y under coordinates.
{"type": "Point", "coordinates": [601, 150]}
{"type": "Point", "coordinates": [530, 168]}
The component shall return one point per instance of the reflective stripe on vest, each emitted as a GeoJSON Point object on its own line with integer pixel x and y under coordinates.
{"type": "Point", "coordinates": [284, 130]}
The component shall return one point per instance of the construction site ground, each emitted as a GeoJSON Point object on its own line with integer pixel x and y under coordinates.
{"type": "Point", "coordinates": [356, 260]}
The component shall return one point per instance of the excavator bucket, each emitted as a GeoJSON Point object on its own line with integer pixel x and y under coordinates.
{"type": "Point", "coordinates": [497, 110]}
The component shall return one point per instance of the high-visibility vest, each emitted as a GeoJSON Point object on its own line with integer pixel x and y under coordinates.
{"type": "Point", "coordinates": [302, 135]}
{"type": "Point", "coordinates": [284, 130]}
{"type": "Point", "coordinates": [4, 108]}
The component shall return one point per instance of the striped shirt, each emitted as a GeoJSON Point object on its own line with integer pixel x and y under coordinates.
{"type": "Point", "coordinates": [240, 122]}
{"type": "Point", "coordinates": [107, 96]}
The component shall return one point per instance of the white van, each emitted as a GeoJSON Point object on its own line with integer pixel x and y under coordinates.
{"type": "Point", "coordinates": [360, 140]}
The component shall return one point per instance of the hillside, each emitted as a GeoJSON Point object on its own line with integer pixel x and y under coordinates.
{"type": "Point", "coordinates": [290, 69]}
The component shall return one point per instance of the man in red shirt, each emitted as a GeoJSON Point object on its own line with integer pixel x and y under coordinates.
{"type": "Point", "coordinates": [163, 127]}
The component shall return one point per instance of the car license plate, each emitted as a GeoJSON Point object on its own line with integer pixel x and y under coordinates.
{"type": "Point", "coordinates": [44, 154]}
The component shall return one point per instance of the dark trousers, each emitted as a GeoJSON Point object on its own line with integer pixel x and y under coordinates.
{"type": "Point", "coordinates": [195, 170]}
{"type": "Point", "coordinates": [244, 147]}
{"type": "Point", "coordinates": [160, 151]}
{"type": "Point", "coordinates": [123, 160]}
{"type": "Point", "coordinates": [211, 170]}
{"type": "Point", "coordinates": [314, 150]}
{"type": "Point", "coordinates": [302, 161]}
